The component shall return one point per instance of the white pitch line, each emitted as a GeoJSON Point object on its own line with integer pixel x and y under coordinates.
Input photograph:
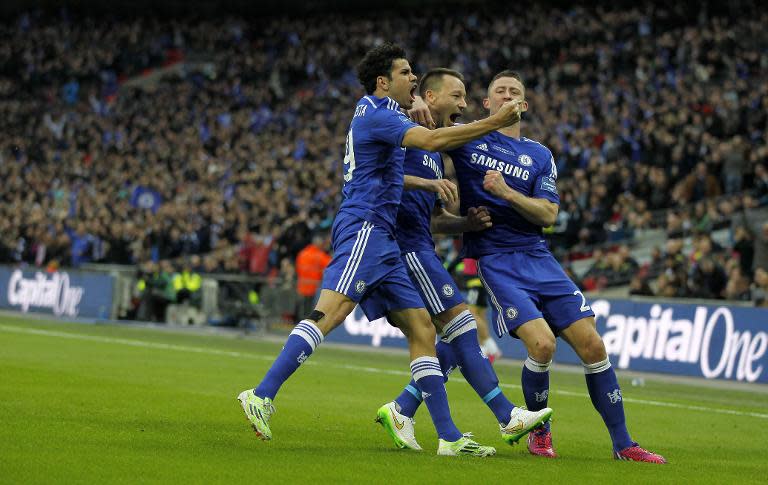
{"type": "Point", "coordinates": [373, 370]}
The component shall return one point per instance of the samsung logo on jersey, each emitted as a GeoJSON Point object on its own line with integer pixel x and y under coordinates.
{"type": "Point", "coordinates": [503, 167]}
{"type": "Point", "coordinates": [429, 162]}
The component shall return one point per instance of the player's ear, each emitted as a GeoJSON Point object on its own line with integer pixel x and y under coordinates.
{"type": "Point", "coordinates": [524, 106]}
{"type": "Point", "coordinates": [383, 83]}
{"type": "Point", "coordinates": [486, 103]}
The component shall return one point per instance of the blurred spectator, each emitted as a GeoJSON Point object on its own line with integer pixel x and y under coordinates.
{"type": "Point", "coordinates": [708, 279]}
{"type": "Point", "coordinates": [737, 287]}
{"type": "Point", "coordinates": [82, 245]}
{"type": "Point", "coordinates": [156, 291]}
{"type": "Point", "coordinates": [734, 165]}
{"type": "Point", "coordinates": [310, 264]}
{"type": "Point", "coordinates": [744, 246]}
{"type": "Point", "coordinates": [596, 276]}
{"type": "Point", "coordinates": [700, 184]}
{"type": "Point", "coordinates": [760, 288]}
{"type": "Point", "coordinates": [673, 281]}
{"type": "Point", "coordinates": [187, 282]}
{"type": "Point", "coordinates": [761, 247]}
{"type": "Point", "coordinates": [639, 286]}
{"type": "Point", "coordinates": [761, 183]}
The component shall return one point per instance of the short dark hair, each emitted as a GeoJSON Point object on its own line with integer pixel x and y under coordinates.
{"type": "Point", "coordinates": [378, 62]}
{"type": "Point", "coordinates": [507, 73]}
{"type": "Point", "coordinates": [433, 79]}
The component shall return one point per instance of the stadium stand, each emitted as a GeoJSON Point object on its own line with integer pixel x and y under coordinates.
{"type": "Point", "coordinates": [658, 119]}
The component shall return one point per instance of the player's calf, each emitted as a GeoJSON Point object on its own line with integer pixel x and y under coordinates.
{"type": "Point", "coordinates": [425, 368]}
{"type": "Point", "coordinates": [461, 333]}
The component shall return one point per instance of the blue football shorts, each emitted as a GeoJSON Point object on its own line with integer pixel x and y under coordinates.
{"type": "Point", "coordinates": [526, 285]}
{"type": "Point", "coordinates": [366, 267]}
{"type": "Point", "coordinates": [432, 280]}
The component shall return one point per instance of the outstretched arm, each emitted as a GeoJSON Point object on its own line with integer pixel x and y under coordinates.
{"type": "Point", "coordinates": [443, 139]}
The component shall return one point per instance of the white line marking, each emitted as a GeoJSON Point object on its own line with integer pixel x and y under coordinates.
{"type": "Point", "coordinates": [372, 370]}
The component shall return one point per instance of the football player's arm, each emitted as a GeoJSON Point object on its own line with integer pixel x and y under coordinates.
{"type": "Point", "coordinates": [443, 222]}
{"type": "Point", "coordinates": [535, 210]}
{"type": "Point", "coordinates": [448, 138]}
{"type": "Point", "coordinates": [450, 174]}
{"type": "Point", "coordinates": [420, 113]}
{"type": "Point", "coordinates": [446, 189]}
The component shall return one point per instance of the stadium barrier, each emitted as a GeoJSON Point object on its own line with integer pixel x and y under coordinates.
{"type": "Point", "coordinates": [694, 338]}
{"type": "Point", "coordinates": [709, 340]}
{"type": "Point", "coordinates": [69, 293]}
{"type": "Point", "coordinates": [109, 292]}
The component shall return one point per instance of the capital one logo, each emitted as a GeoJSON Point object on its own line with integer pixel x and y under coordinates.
{"type": "Point", "coordinates": [662, 337]}
{"type": "Point", "coordinates": [377, 329]}
{"type": "Point", "coordinates": [55, 294]}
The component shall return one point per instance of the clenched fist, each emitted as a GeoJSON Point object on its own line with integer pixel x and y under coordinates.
{"type": "Point", "coordinates": [494, 183]}
{"type": "Point", "coordinates": [511, 112]}
{"type": "Point", "coordinates": [478, 218]}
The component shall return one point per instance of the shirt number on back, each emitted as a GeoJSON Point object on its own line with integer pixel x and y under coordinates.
{"type": "Point", "coordinates": [584, 306]}
{"type": "Point", "coordinates": [349, 157]}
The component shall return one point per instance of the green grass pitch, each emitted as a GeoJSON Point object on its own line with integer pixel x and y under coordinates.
{"type": "Point", "coordinates": [119, 404]}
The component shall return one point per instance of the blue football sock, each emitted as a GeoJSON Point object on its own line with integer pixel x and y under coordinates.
{"type": "Point", "coordinates": [429, 378]}
{"type": "Point", "coordinates": [449, 361]}
{"type": "Point", "coordinates": [302, 341]}
{"type": "Point", "coordinates": [535, 382]}
{"type": "Point", "coordinates": [409, 400]}
{"type": "Point", "coordinates": [461, 333]}
{"type": "Point", "coordinates": [606, 397]}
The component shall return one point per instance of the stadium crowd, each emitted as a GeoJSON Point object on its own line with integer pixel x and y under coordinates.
{"type": "Point", "coordinates": [657, 118]}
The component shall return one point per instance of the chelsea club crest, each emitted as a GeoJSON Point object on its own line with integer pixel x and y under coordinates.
{"type": "Point", "coordinates": [360, 286]}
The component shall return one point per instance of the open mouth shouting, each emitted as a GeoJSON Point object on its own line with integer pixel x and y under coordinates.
{"type": "Point", "coordinates": [453, 117]}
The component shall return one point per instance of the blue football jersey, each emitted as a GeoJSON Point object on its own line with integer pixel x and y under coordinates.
{"type": "Point", "coordinates": [413, 231]}
{"type": "Point", "coordinates": [528, 167]}
{"type": "Point", "coordinates": [373, 161]}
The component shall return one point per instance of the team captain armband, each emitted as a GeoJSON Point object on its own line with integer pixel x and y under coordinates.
{"type": "Point", "coordinates": [548, 183]}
